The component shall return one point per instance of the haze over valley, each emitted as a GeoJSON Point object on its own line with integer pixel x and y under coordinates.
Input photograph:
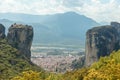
{"type": "Point", "coordinates": [61, 34]}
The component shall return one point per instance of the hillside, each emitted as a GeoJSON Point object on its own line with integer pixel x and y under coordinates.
{"type": "Point", "coordinates": [11, 62]}
{"type": "Point", "coordinates": [15, 51]}
{"type": "Point", "coordinates": [107, 68]}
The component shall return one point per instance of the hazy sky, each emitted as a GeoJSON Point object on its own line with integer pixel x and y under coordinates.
{"type": "Point", "coordinates": [99, 10]}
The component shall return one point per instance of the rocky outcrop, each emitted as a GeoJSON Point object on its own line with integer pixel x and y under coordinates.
{"type": "Point", "coordinates": [14, 61]}
{"type": "Point", "coordinates": [101, 41]}
{"type": "Point", "coordinates": [21, 36]}
{"type": "Point", "coordinates": [2, 31]}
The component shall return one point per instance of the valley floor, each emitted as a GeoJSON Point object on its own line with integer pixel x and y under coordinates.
{"type": "Point", "coordinates": [56, 63]}
{"type": "Point", "coordinates": [55, 58]}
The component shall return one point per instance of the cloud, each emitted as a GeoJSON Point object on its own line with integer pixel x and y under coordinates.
{"type": "Point", "coordinates": [39, 6]}
{"type": "Point", "coordinates": [72, 3]}
{"type": "Point", "coordinates": [102, 12]}
{"type": "Point", "coordinates": [13, 6]}
{"type": "Point", "coordinates": [99, 10]}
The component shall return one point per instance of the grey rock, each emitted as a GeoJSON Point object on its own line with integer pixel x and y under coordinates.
{"type": "Point", "coordinates": [2, 31]}
{"type": "Point", "coordinates": [21, 36]}
{"type": "Point", "coordinates": [101, 41]}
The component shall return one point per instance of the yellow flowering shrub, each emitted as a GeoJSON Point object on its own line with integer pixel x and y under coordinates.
{"type": "Point", "coordinates": [107, 68]}
{"type": "Point", "coordinates": [28, 75]}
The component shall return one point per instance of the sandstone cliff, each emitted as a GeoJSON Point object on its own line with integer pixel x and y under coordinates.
{"type": "Point", "coordinates": [101, 41]}
{"type": "Point", "coordinates": [21, 36]}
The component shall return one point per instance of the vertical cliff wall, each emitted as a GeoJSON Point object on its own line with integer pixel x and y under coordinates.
{"type": "Point", "coordinates": [2, 31]}
{"type": "Point", "coordinates": [21, 36]}
{"type": "Point", "coordinates": [101, 41]}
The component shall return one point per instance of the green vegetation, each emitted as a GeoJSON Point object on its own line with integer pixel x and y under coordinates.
{"type": "Point", "coordinates": [15, 66]}
{"type": "Point", "coordinates": [107, 68]}
{"type": "Point", "coordinates": [33, 75]}
{"type": "Point", "coordinates": [12, 62]}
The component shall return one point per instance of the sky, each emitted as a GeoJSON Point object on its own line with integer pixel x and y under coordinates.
{"type": "Point", "coordinates": [99, 10]}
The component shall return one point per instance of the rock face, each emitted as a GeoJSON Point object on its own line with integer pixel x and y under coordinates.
{"type": "Point", "coordinates": [2, 31]}
{"type": "Point", "coordinates": [21, 36]}
{"type": "Point", "coordinates": [101, 41]}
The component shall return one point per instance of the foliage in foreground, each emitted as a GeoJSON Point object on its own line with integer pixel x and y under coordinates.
{"type": "Point", "coordinates": [32, 75]}
{"type": "Point", "coordinates": [107, 68]}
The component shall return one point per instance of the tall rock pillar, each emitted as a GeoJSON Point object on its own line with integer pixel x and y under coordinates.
{"type": "Point", "coordinates": [21, 36]}
{"type": "Point", "coordinates": [100, 41]}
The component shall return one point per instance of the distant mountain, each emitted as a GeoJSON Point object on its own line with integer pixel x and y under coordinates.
{"type": "Point", "coordinates": [71, 24]}
{"type": "Point", "coordinates": [7, 23]}
{"type": "Point", "coordinates": [104, 23]}
{"type": "Point", "coordinates": [65, 28]}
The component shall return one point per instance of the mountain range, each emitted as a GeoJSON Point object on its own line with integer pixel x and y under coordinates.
{"type": "Point", "coordinates": [61, 28]}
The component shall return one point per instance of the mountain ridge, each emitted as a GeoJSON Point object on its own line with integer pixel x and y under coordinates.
{"type": "Point", "coordinates": [59, 28]}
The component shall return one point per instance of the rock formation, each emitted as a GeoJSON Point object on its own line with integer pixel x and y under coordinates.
{"type": "Point", "coordinates": [2, 31]}
{"type": "Point", "coordinates": [14, 61]}
{"type": "Point", "coordinates": [21, 36]}
{"type": "Point", "coordinates": [101, 41]}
